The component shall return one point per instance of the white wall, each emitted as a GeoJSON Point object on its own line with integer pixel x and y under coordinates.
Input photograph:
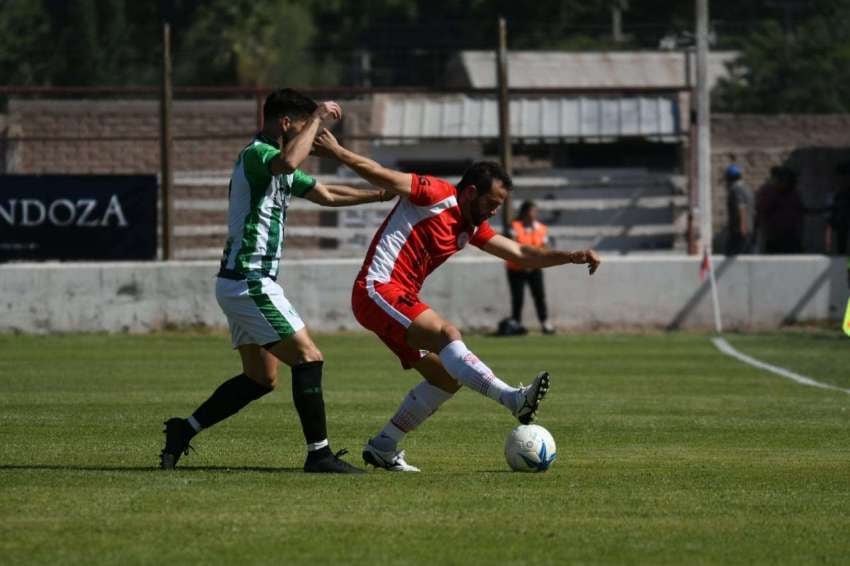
{"type": "Point", "coordinates": [652, 291]}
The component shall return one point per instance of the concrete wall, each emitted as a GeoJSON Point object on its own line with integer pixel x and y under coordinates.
{"type": "Point", "coordinates": [648, 291]}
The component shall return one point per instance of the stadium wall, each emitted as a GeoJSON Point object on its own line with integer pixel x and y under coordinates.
{"type": "Point", "coordinates": [756, 292]}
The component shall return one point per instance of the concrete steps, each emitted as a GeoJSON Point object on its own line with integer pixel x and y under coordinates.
{"type": "Point", "coordinates": [611, 210]}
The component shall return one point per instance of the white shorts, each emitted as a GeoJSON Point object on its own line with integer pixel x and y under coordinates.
{"type": "Point", "coordinates": [257, 311]}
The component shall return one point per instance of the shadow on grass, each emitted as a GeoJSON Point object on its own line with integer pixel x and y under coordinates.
{"type": "Point", "coordinates": [237, 469]}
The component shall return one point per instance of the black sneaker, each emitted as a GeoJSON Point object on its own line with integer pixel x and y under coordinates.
{"type": "Point", "coordinates": [531, 397]}
{"type": "Point", "coordinates": [178, 433]}
{"type": "Point", "coordinates": [329, 463]}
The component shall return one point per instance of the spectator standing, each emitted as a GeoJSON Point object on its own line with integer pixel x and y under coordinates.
{"type": "Point", "coordinates": [780, 213]}
{"type": "Point", "coordinates": [528, 230]}
{"type": "Point", "coordinates": [838, 225]}
{"type": "Point", "coordinates": [741, 213]}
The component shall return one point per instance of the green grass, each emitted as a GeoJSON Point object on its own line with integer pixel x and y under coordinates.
{"type": "Point", "coordinates": [669, 452]}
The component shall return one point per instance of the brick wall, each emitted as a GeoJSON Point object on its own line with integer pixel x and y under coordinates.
{"type": "Point", "coordinates": [109, 136]}
{"type": "Point", "coordinates": [810, 144]}
{"type": "Point", "coordinates": [122, 136]}
{"type": "Point", "coordinates": [92, 136]}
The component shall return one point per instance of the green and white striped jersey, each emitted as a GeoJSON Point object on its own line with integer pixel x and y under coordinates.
{"type": "Point", "coordinates": [257, 208]}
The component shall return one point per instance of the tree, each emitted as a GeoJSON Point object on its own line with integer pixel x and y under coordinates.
{"type": "Point", "coordinates": [24, 33]}
{"type": "Point", "coordinates": [244, 42]}
{"type": "Point", "coordinates": [806, 72]}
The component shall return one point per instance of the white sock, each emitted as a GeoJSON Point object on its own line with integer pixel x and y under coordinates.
{"type": "Point", "coordinates": [193, 422]}
{"type": "Point", "coordinates": [420, 403]}
{"type": "Point", "coordinates": [313, 446]}
{"type": "Point", "coordinates": [465, 367]}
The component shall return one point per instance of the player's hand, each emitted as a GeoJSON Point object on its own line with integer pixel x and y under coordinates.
{"type": "Point", "coordinates": [592, 259]}
{"type": "Point", "coordinates": [328, 109]}
{"type": "Point", "coordinates": [325, 144]}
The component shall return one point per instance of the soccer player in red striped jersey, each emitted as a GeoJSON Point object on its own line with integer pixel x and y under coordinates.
{"type": "Point", "coordinates": [432, 221]}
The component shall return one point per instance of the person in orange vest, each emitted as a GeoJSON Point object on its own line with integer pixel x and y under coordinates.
{"type": "Point", "coordinates": [527, 230]}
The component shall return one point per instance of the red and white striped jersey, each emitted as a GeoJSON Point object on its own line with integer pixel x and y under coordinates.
{"type": "Point", "coordinates": [422, 231]}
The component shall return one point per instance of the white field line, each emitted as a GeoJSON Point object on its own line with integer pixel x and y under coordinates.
{"type": "Point", "coordinates": [724, 346]}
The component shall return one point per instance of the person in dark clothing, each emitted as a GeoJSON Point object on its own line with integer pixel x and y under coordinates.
{"type": "Point", "coordinates": [526, 229]}
{"type": "Point", "coordinates": [780, 213]}
{"type": "Point", "coordinates": [741, 213]}
{"type": "Point", "coordinates": [838, 227]}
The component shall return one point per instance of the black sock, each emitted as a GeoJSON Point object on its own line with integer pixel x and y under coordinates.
{"type": "Point", "coordinates": [230, 397]}
{"type": "Point", "coordinates": [309, 402]}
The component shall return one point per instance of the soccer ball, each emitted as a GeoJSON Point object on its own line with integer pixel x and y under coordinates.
{"type": "Point", "coordinates": [530, 448]}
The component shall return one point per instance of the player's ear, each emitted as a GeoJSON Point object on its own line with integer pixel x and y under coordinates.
{"type": "Point", "coordinates": [469, 192]}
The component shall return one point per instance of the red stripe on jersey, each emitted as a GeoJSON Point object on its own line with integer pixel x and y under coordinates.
{"type": "Point", "coordinates": [419, 234]}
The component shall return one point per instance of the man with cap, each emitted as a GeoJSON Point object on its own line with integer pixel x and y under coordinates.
{"type": "Point", "coordinates": [739, 205]}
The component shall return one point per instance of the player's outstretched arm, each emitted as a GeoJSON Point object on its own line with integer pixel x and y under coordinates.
{"type": "Point", "coordinates": [298, 148]}
{"type": "Point", "coordinates": [326, 145]}
{"type": "Point", "coordinates": [531, 257]}
{"type": "Point", "coordinates": [341, 195]}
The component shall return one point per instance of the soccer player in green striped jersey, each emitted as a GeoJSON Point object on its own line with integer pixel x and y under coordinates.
{"type": "Point", "coordinates": [264, 326]}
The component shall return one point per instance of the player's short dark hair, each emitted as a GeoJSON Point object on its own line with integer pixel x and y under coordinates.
{"type": "Point", "coordinates": [288, 102]}
{"type": "Point", "coordinates": [482, 174]}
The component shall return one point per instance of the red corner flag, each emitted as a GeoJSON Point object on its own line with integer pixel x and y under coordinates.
{"type": "Point", "coordinates": [704, 265]}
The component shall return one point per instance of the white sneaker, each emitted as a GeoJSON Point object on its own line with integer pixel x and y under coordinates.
{"type": "Point", "coordinates": [391, 460]}
{"type": "Point", "coordinates": [531, 397]}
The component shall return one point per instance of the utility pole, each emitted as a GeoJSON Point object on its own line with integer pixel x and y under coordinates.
{"type": "Point", "coordinates": [617, 8]}
{"type": "Point", "coordinates": [693, 191]}
{"type": "Point", "coordinates": [704, 151]}
{"type": "Point", "coordinates": [504, 117]}
{"type": "Point", "coordinates": [166, 148]}
{"type": "Point", "coordinates": [703, 126]}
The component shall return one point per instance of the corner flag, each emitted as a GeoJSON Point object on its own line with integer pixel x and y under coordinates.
{"type": "Point", "coordinates": [704, 265]}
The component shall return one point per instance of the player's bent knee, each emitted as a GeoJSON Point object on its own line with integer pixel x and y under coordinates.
{"type": "Point", "coordinates": [447, 384]}
{"type": "Point", "coordinates": [271, 381]}
{"type": "Point", "coordinates": [450, 333]}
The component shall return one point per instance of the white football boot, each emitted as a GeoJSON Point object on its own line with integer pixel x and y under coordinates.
{"type": "Point", "coordinates": [530, 398]}
{"type": "Point", "coordinates": [388, 460]}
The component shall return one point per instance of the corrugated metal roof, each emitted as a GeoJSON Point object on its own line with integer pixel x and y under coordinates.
{"type": "Point", "coordinates": [606, 69]}
{"type": "Point", "coordinates": [563, 117]}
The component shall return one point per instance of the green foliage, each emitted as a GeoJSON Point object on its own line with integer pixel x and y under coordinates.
{"type": "Point", "coordinates": [795, 56]}
{"type": "Point", "coordinates": [250, 43]}
{"type": "Point", "coordinates": [24, 30]}
{"type": "Point", "coordinates": [74, 42]}
{"type": "Point", "coordinates": [806, 72]}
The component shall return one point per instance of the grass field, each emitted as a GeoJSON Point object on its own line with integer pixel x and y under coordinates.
{"type": "Point", "coordinates": [669, 452]}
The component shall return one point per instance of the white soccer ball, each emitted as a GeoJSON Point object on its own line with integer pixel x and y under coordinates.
{"type": "Point", "coordinates": [530, 448]}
